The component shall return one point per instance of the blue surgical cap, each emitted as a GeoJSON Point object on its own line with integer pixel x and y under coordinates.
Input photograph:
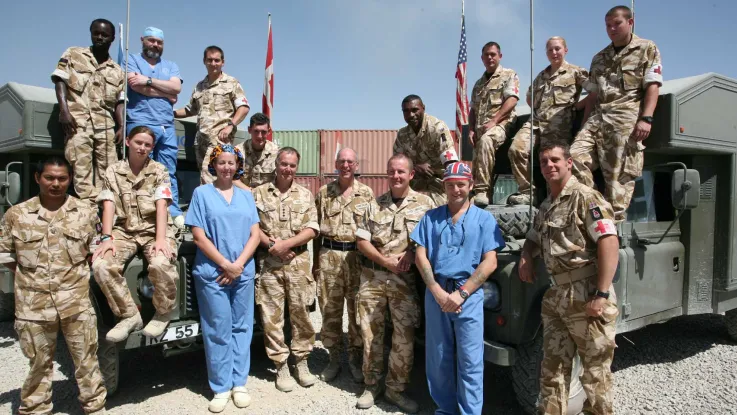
{"type": "Point", "coordinates": [153, 32]}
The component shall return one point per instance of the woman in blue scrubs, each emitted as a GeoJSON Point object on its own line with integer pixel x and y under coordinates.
{"type": "Point", "coordinates": [456, 253]}
{"type": "Point", "coordinates": [225, 227]}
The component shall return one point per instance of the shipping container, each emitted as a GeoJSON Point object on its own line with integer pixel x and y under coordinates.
{"type": "Point", "coordinates": [373, 148]}
{"type": "Point", "coordinates": [312, 183]}
{"type": "Point", "coordinates": [377, 182]}
{"type": "Point", "coordinates": [308, 145]}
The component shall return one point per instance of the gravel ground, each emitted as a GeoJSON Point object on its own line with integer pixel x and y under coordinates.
{"type": "Point", "coordinates": [684, 366]}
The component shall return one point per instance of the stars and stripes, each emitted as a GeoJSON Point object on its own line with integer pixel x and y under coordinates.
{"type": "Point", "coordinates": [267, 102]}
{"type": "Point", "coordinates": [461, 91]}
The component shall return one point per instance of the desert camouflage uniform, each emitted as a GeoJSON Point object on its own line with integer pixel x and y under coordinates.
{"type": "Point", "coordinates": [388, 227]}
{"type": "Point", "coordinates": [93, 91]}
{"type": "Point", "coordinates": [134, 229]}
{"type": "Point", "coordinates": [281, 285]}
{"type": "Point", "coordinates": [214, 105]}
{"type": "Point", "coordinates": [340, 271]}
{"type": "Point", "coordinates": [487, 97]}
{"type": "Point", "coordinates": [555, 97]}
{"type": "Point", "coordinates": [619, 80]}
{"type": "Point", "coordinates": [434, 145]}
{"type": "Point", "coordinates": [259, 167]}
{"type": "Point", "coordinates": [52, 292]}
{"type": "Point", "coordinates": [566, 231]}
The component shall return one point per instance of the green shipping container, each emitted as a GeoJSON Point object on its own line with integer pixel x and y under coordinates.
{"type": "Point", "coordinates": [308, 145]}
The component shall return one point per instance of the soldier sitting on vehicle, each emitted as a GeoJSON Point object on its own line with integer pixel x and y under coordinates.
{"type": "Point", "coordinates": [135, 196]}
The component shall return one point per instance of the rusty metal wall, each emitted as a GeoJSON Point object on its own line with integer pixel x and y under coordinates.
{"type": "Point", "coordinates": [373, 147]}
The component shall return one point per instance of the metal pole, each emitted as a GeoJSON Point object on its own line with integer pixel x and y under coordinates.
{"type": "Point", "coordinates": [125, 88]}
{"type": "Point", "coordinates": [633, 15]}
{"type": "Point", "coordinates": [532, 108]}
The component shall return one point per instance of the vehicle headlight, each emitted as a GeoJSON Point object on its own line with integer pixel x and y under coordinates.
{"type": "Point", "coordinates": [145, 287]}
{"type": "Point", "coordinates": [492, 295]}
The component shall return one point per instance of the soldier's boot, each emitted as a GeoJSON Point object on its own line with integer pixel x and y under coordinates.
{"type": "Point", "coordinates": [354, 364]}
{"type": "Point", "coordinates": [284, 380]}
{"type": "Point", "coordinates": [219, 402]}
{"type": "Point", "coordinates": [179, 222]}
{"type": "Point", "coordinates": [124, 327]}
{"type": "Point", "coordinates": [241, 398]}
{"type": "Point", "coordinates": [369, 396]}
{"type": "Point", "coordinates": [303, 375]}
{"type": "Point", "coordinates": [157, 325]}
{"type": "Point", "coordinates": [521, 199]}
{"type": "Point", "coordinates": [333, 369]}
{"type": "Point", "coordinates": [481, 199]}
{"type": "Point", "coordinates": [401, 401]}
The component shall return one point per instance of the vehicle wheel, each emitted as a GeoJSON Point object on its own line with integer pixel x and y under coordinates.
{"type": "Point", "coordinates": [526, 378]}
{"type": "Point", "coordinates": [513, 221]}
{"type": "Point", "coordinates": [730, 320]}
{"type": "Point", "coordinates": [109, 358]}
{"type": "Point", "coordinates": [7, 306]}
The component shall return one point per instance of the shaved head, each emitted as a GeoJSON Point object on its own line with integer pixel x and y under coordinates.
{"type": "Point", "coordinates": [346, 153]}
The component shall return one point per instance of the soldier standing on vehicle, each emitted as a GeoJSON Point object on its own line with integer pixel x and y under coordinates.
{"type": "Point", "coordinates": [557, 90]}
{"type": "Point", "coordinates": [492, 115]}
{"type": "Point", "coordinates": [220, 105]}
{"type": "Point", "coordinates": [135, 196]}
{"type": "Point", "coordinates": [388, 283]}
{"type": "Point", "coordinates": [336, 262]}
{"type": "Point", "coordinates": [49, 238]}
{"type": "Point", "coordinates": [288, 220]}
{"type": "Point", "coordinates": [574, 232]}
{"type": "Point", "coordinates": [427, 141]}
{"type": "Point", "coordinates": [624, 85]}
{"type": "Point", "coordinates": [89, 89]}
{"type": "Point", "coordinates": [456, 253]}
{"type": "Point", "coordinates": [259, 154]}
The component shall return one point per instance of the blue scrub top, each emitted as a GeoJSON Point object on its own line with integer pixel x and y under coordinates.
{"type": "Point", "coordinates": [150, 110]}
{"type": "Point", "coordinates": [228, 226]}
{"type": "Point", "coordinates": [455, 250]}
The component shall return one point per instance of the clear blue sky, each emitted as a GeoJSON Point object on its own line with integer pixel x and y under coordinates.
{"type": "Point", "coordinates": [346, 64]}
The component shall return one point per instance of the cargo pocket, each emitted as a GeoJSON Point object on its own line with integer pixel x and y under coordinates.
{"type": "Point", "coordinates": [111, 94]}
{"type": "Point", "coordinates": [563, 91]}
{"type": "Point", "coordinates": [565, 237]}
{"type": "Point", "coordinates": [259, 295]}
{"type": "Point", "coordinates": [146, 204]}
{"type": "Point", "coordinates": [79, 79]}
{"type": "Point", "coordinates": [630, 80]}
{"type": "Point", "coordinates": [222, 102]}
{"type": "Point", "coordinates": [266, 215]}
{"type": "Point", "coordinates": [28, 247]}
{"type": "Point", "coordinates": [25, 338]}
{"type": "Point", "coordinates": [310, 292]}
{"type": "Point", "coordinates": [76, 246]}
{"type": "Point", "coordinates": [296, 214]}
{"type": "Point", "coordinates": [633, 158]}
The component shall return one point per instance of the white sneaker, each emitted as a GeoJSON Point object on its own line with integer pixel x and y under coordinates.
{"type": "Point", "coordinates": [179, 221]}
{"type": "Point", "coordinates": [241, 398]}
{"type": "Point", "coordinates": [219, 402]}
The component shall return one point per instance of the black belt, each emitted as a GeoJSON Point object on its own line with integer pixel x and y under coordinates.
{"type": "Point", "coordinates": [338, 246]}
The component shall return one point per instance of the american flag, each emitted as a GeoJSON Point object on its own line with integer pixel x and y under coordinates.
{"type": "Point", "coordinates": [267, 102]}
{"type": "Point", "coordinates": [461, 95]}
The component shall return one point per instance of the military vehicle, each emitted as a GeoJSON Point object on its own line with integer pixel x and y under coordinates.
{"type": "Point", "coordinates": [674, 260]}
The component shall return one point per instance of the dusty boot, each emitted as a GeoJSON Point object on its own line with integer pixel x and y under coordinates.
{"type": "Point", "coordinates": [521, 199]}
{"type": "Point", "coordinates": [401, 401]}
{"type": "Point", "coordinates": [123, 328]}
{"type": "Point", "coordinates": [303, 375]}
{"type": "Point", "coordinates": [284, 380]}
{"type": "Point", "coordinates": [219, 402]}
{"type": "Point", "coordinates": [481, 199]}
{"type": "Point", "coordinates": [354, 364]}
{"type": "Point", "coordinates": [368, 397]}
{"type": "Point", "coordinates": [241, 398]}
{"type": "Point", "coordinates": [157, 325]}
{"type": "Point", "coordinates": [331, 372]}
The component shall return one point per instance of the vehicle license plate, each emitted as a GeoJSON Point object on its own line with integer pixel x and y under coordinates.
{"type": "Point", "coordinates": [175, 333]}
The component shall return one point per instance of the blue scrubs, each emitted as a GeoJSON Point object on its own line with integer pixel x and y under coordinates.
{"type": "Point", "coordinates": [454, 251]}
{"type": "Point", "coordinates": [226, 312]}
{"type": "Point", "coordinates": [157, 114]}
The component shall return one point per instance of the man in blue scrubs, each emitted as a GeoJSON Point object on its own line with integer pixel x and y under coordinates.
{"type": "Point", "coordinates": [456, 253]}
{"type": "Point", "coordinates": [154, 84]}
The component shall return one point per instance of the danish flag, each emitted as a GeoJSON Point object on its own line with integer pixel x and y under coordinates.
{"type": "Point", "coordinates": [267, 102]}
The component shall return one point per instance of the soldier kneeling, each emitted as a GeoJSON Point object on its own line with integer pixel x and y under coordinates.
{"type": "Point", "coordinates": [135, 198]}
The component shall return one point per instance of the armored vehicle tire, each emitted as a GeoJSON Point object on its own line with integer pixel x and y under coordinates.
{"type": "Point", "coordinates": [109, 358]}
{"type": "Point", "coordinates": [730, 320]}
{"type": "Point", "coordinates": [514, 220]}
{"type": "Point", "coordinates": [7, 306]}
{"type": "Point", "coordinates": [526, 378]}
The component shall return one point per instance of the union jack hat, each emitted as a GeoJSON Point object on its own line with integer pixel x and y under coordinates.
{"type": "Point", "coordinates": [457, 171]}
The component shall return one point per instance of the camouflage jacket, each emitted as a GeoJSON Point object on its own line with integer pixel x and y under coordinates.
{"type": "Point", "coordinates": [93, 90]}
{"type": "Point", "coordinates": [566, 229]}
{"type": "Point", "coordinates": [214, 104]}
{"type": "Point", "coordinates": [433, 144]}
{"type": "Point", "coordinates": [337, 214]}
{"type": "Point", "coordinates": [285, 215]}
{"type": "Point", "coordinates": [555, 97]}
{"type": "Point", "coordinates": [489, 93]}
{"type": "Point", "coordinates": [259, 167]}
{"type": "Point", "coordinates": [135, 196]}
{"type": "Point", "coordinates": [52, 278]}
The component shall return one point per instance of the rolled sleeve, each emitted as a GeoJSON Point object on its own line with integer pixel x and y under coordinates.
{"type": "Point", "coordinates": [655, 67]}
{"type": "Point", "coordinates": [104, 195]}
{"type": "Point", "coordinates": [63, 67]}
{"type": "Point", "coordinates": [163, 186]}
{"type": "Point", "coordinates": [419, 233]}
{"type": "Point", "coordinates": [598, 216]}
{"type": "Point", "coordinates": [511, 89]}
{"type": "Point", "coordinates": [239, 96]}
{"type": "Point", "coordinates": [7, 247]}
{"type": "Point", "coordinates": [363, 234]}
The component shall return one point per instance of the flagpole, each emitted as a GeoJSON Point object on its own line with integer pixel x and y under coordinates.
{"type": "Point", "coordinates": [464, 131]}
{"type": "Point", "coordinates": [125, 88]}
{"type": "Point", "coordinates": [633, 15]}
{"type": "Point", "coordinates": [532, 109]}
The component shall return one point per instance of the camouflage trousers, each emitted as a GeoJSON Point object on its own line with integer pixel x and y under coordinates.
{"type": "Point", "coordinates": [340, 272]}
{"type": "Point", "coordinates": [519, 153]}
{"type": "Point", "coordinates": [162, 272]}
{"type": "Point", "coordinates": [602, 145]}
{"type": "Point", "coordinates": [379, 291]}
{"type": "Point", "coordinates": [567, 330]}
{"type": "Point", "coordinates": [90, 152]}
{"type": "Point", "coordinates": [38, 344]}
{"type": "Point", "coordinates": [280, 288]}
{"type": "Point", "coordinates": [484, 155]}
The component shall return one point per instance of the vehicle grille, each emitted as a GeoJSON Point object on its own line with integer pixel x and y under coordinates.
{"type": "Point", "coordinates": [190, 297]}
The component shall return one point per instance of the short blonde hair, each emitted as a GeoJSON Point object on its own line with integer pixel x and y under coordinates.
{"type": "Point", "coordinates": [556, 38]}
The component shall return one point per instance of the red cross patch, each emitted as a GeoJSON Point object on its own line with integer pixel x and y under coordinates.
{"type": "Point", "coordinates": [166, 192]}
{"type": "Point", "coordinates": [658, 70]}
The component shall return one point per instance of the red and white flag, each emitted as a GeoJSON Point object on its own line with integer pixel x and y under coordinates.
{"type": "Point", "coordinates": [267, 101]}
{"type": "Point", "coordinates": [461, 95]}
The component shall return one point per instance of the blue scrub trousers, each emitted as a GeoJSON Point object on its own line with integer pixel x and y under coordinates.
{"type": "Point", "coordinates": [456, 386]}
{"type": "Point", "coordinates": [166, 146]}
{"type": "Point", "coordinates": [226, 315]}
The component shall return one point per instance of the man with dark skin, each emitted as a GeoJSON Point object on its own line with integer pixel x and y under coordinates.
{"type": "Point", "coordinates": [89, 89]}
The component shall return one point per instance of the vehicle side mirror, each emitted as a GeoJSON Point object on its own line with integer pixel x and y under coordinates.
{"type": "Point", "coordinates": [9, 188]}
{"type": "Point", "coordinates": [685, 188]}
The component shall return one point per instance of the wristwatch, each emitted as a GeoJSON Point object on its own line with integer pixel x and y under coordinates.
{"type": "Point", "coordinates": [602, 294]}
{"type": "Point", "coordinates": [462, 291]}
{"type": "Point", "coordinates": [149, 82]}
{"type": "Point", "coordinates": [647, 118]}
{"type": "Point", "coordinates": [230, 123]}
